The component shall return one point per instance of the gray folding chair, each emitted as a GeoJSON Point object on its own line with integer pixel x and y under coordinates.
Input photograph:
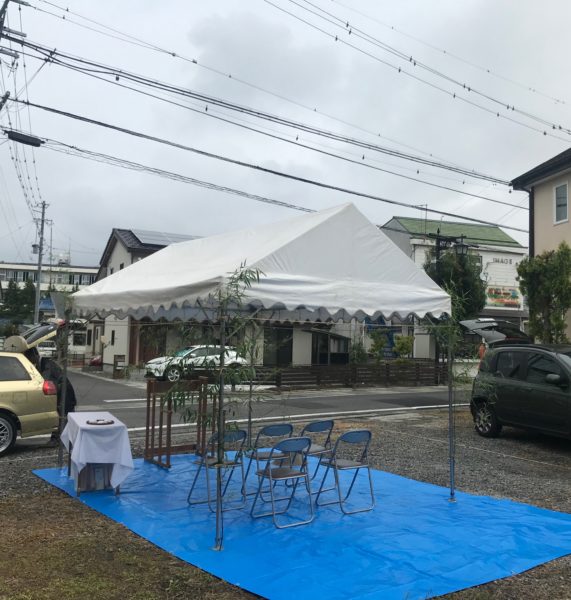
{"type": "Point", "coordinates": [350, 453]}
{"type": "Point", "coordinates": [320, 434]}
{"type": "Point", "coordinates": [266, 438]}
{"type": "Point", "coordinates": [290, 458]}
{"type": "Point", "coordinates": [234, 441]}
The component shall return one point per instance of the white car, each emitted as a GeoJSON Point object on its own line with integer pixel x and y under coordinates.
{"type": "Point", "coordinates": [194, 357]}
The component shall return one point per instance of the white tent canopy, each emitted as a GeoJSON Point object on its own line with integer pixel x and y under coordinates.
{"type": "Point", "coordinates": [334, 263]}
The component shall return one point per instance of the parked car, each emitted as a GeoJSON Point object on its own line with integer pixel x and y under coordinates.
{"type": "Point", "coordinates": [48, 349]}
{"type": "Point", "coordinates": [497, 331]}
{"type": "Point", "coordinates": [184, 361]}
{"type": "Point", "coordinates": [28, 403]}
{"type": "Point", "coordinates": [96, 361]}
{"type": "Point", "coordinates": [522, 384]}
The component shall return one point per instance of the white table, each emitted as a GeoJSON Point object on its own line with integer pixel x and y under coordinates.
{"type": "Point", "coordinates": [97, 444]}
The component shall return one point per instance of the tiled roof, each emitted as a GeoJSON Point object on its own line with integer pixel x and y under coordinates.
{"type": "Point", "coordinates": [554, 165]}
{"type": "Point", "coordinates": [133, 243]}
{"type": "Point", "coordinates": [488, 235]}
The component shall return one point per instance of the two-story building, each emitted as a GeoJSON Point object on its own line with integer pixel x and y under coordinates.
{"type": "Point", "coordinates": [548, 187]}
{"type": "Point", "coordinates": [122, 337]}
{"type": "Point", "coordinates": [498, 253]}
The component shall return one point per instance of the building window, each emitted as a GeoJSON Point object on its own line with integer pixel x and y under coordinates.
{"type": "Point", "coordinates": [561, 203]}
{"type": "Point", "coordinates": [112, 337]}
{"type": "Point", "coordinates": [121, 266]}
{"type": "Point", "coordinates": [88, 343]}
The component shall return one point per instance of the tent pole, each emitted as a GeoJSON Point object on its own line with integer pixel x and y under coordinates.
{"type": "Point", "coordinates": [220, 452]}
{"type": "Point", "coordinates": [451, 420]}
{"type": "Point", "coordinates": [62, 420]}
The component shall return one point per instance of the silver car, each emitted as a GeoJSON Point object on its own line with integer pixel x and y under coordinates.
{"type": "Point", "coordinates": [175, 366]}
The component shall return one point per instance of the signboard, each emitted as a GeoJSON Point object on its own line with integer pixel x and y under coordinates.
{"type": "Point", "coordinates": [499, 296]}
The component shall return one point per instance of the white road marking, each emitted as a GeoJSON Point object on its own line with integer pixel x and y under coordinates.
{"type": "Point", "coordinates": [126, 400]}
{"type": "Point", "coordinates": [346, 413]}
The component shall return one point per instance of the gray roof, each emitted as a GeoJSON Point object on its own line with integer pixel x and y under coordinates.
{"type": "Point", "coordinates": [554, 165]}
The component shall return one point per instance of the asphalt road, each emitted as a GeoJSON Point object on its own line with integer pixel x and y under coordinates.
{"type": "Point", "coordinates": [127, 400]}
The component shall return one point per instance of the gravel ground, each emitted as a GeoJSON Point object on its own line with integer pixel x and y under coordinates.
{"type": "Point", "coordinates": [519, 465]}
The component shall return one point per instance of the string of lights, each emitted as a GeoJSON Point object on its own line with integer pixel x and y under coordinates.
{"type": "Point", "coordinates": [546, 130]}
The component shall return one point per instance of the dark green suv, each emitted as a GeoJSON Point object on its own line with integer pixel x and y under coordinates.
{"type": "Point", "coordinates": [524, 385]}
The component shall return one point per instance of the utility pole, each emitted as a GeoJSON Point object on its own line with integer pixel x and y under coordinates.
{"type": "Point", "coordinates": [39, 273]}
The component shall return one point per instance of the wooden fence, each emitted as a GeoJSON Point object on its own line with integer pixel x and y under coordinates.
{"type": "Point", "coordinates": [390, 373]}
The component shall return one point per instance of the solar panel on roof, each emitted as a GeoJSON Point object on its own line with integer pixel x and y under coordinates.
{"type": "Point", "coordinates": [160, 238]}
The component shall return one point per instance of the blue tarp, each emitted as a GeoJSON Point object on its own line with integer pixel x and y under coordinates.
{"type": "Point", "coordinates": [414, 544]}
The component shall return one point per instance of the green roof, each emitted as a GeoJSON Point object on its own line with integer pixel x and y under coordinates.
{"type": "Point", "coordinates": [485, 234]}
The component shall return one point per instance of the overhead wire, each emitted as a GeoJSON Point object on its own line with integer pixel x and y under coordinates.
{"type": "Point", "coordinates": [20, 164]}
{"type": "Point", "coordinates": [128, 38]}
{"type": "Point", "coordinates": [60, 58]}
{"type": "Point", "coordinates": [259, 168]}
{"type": "Point", "coordinates": [25, 87]}
{"type": "Point", "coordinates": [453, 95]}
{"type": "Point", "coordinates": [356, 32]}
{"type": "Point", "coordinates": [104, 158]}
{"type": "Point", "coordinates": [134, 166]}
{"type": "Point", "coordinates": [296, 142]}
{"type": "Point", "coordinates": [447, 53]}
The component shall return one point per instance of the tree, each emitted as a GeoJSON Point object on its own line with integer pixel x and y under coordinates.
{"type": "Point", "coordinates": [463, 275]}
{"type": "Point", "coordinates": [404, 345]}
{"type": "Point", "coordinates": [19, 303]}
{"type": "Point", "coordinates": [546, 281]}
{"type": "Point", "coordinates": [379, 341]}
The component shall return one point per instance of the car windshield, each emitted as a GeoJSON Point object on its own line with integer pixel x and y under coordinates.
{"type": "Point", "coordinates": [566, 358]}
{"type": "Point", "coordinates": [183, 352]}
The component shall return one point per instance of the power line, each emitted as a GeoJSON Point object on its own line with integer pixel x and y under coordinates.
{"type": "Point", "coordinates": [453, 95]}
{"type": "Point", "coordinates": [254, 167]}
{"type": "Point", "coordinates": [136, 41]}
{"type": "Point", "coordinates": [447, 53]}
{"type": "Point", "coordinates": [127, 164]}
{"type": "Point", "coordinates": [296, 142]}
{"type": "Point", "coordinates": [60, 58]}
{"type": "Point", "coordinates": [410, 59]}
{"type": "Point", "coordinates": [26, 84]}
{"type": "Point", "coordinates": [71, 150]}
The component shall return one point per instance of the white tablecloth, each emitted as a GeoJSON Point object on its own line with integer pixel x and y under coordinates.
{"type": "Point", "coordinates": [98, 444]}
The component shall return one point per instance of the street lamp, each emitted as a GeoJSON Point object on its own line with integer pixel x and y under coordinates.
{"type": "Point", "coordinates": [461, 248]}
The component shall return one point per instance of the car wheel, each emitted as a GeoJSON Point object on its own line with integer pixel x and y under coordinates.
{"type": "Point", "coordinates": [174, 374]}
{"type": "Point", "coordinates": [485, 421]}
{"type": "Point", "coordinates": [7, 433]}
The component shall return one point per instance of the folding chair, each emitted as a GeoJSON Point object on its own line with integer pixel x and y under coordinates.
{"type": "Point", "coordinates": [234, 441]}
{"type": "Point", "coordinates": [262, 447]}
{"type": "Point", "coordinates": [292, 451]}
{"type": "Point", "coordinates": [354, 444]}
{"type": "Point", "coordinates": [323, 430]}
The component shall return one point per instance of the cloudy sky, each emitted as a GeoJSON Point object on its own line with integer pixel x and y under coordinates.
{"type": "Point", "coordinates": [336, 71]}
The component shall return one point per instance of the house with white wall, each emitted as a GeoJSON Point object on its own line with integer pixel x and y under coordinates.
{"type": "Point", "coordinates": [498, 253]}
{"type": "Point", "coordinates": [114, 337]}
